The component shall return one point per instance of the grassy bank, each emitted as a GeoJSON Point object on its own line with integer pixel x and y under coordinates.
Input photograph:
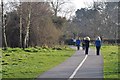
{"type": "Point", "coordinates": [110, 54]}
{"type": "Point", "coordinates": [31, 62]}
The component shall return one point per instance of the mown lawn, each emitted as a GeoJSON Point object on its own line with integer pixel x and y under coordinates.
{"type": "Point", "coordinates": [110, 54]}
{"type": "Point", "coordinates": [30, 63]}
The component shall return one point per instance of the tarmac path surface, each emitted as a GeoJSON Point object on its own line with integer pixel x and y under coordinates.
{"type": "Point", "coordinates": [78, 66]}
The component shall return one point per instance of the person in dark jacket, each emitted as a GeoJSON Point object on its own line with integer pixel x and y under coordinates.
{"type": "Point", "coordinates": [78, 43]}
{"type": "Point", "coordinates": [98, 45]}
{"type": "Point", "coordinates": [83, 44]}
{"type": "Point", "coordinates": [87, 41]}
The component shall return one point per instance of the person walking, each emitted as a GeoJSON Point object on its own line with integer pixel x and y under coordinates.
{"type": "Point", "coordinates": [83, 44]}
{"type": "Point", "coordinates": [78, 43]}
{"type": "Point", "coordinates": [98, 45]}
{"type": "Point", "coordinates": [87, 41]}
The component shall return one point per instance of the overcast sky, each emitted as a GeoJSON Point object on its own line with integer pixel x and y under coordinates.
{"type": "Point", "coordinates": [81, 3]}
{"type": "Point", "coordinates": [77, 3]}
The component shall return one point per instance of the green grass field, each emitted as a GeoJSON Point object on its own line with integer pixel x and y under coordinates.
{"type": "Point", "coordinates": [110, 54]}
{"type": "Point", "coordinates": [17, 63]}
{"type": "Point", "coordinates": [31, 62]}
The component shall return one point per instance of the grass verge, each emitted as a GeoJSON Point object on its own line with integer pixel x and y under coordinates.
{"type": "Point", "coordinates": [31, 62]}
{"type": "Point", "coordinates": [110, 54]}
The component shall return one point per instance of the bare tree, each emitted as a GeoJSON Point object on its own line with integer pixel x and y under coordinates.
{"type": "Point", "coordinates": [42, 30]}
{"type": "Point", "coordinates": [57, 5]}
{"type": "Point", "coordinates": [2, 17]}
{"type": "Point", "coordinates": [4, 31]}
{"type": "Point", "coordinates": [4, 26]}
{"type": "Point", "coordinates": [26, 39]}
{"type": "Point", "coordinates": [68, 12]}
{"type": "Point", "coordinates": [18, 5]}
{"type": "Point", "coordinates": [14, 5]}
{"type": "Point", "coordinates": [36, 24]}
{"type": "Point", "coordinates": [20, 24]}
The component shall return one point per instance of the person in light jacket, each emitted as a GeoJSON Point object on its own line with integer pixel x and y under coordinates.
{"type": "Point", "coordinates": [98, 45]}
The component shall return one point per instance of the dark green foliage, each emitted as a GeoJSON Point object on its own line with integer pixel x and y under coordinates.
{"type": "Point", "coordinates": [113, 53]}
{"type": "Point", "coordinates": [57, 49]}
{"type": "Point", "coordinates": [5, 63]}
{"type": "Point", "coordinates": [31, 50]}
{"type": "Point", "coordinates": [14, 63]}
{"type": "Point", "coordinates": [7, 54]}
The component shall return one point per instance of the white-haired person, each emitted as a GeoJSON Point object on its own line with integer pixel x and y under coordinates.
{"type": "Point", "coordinates": [98, 45]}
{"type": "Point", "coordinates": [87, 41]}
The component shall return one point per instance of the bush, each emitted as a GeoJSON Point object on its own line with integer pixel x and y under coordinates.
{"type": "Point", "coordinates": [31, 50]}
{"type": "Point", "coordinates": [5, 63]}
{"type": "Point", "coordinates": [7, 54]}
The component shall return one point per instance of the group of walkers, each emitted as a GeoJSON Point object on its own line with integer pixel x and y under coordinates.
{"type": "Point", "coordinates": [86, 43]}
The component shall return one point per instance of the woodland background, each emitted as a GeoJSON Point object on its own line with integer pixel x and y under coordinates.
{"type": "Point", "coordinates": [30, 24]}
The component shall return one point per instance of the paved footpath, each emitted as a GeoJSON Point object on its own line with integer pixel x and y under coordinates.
{"type": "Point", "coordinates": [78, 66]}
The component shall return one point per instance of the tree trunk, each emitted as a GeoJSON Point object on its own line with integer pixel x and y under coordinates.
{"type": "Point", "coordinates": [2, 20]}
{"type": "Point", "coordinates": [116, 35]}
{"type": "Point", "coordinates": [4, 27]}
{"type": "Point", "coordinates": [20, 25]}
{"type": "Point", "coordinates": [4, 33]}
{"type": "Point", "coordinates": [26, 40]}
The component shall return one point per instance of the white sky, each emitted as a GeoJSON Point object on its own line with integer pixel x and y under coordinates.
{"type": "Point", "coordinates": [81, 3]}
{"type": "Point", "coordinates": [77, 3]}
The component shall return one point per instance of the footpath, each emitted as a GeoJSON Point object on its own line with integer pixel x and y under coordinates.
{"type": "Point", "coordinates": [79, 66]}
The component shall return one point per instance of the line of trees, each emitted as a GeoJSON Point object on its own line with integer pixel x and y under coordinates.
{"type": "Point", "coordinates": [99, 20]}
{"type": "Point", "coordinates": [31, 24]}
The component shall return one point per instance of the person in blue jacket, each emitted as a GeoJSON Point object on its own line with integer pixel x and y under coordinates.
{"type": "Point", "coordinates": [78, 43]}
{"type": "Point", "coordinates": [98, 45]}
